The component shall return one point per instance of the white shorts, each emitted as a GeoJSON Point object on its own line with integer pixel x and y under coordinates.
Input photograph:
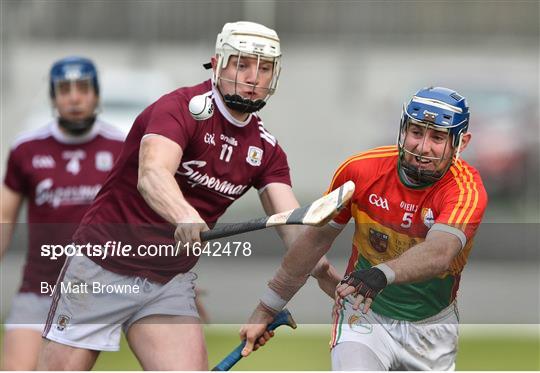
{"type": "Point", "coordinates": [92, 305]}
{"type": "Point", "coordinates": [28, 311]}
{"type": "Point", "coordinates": [430, 344]}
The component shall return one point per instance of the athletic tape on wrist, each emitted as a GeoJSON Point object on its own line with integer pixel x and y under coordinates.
{"type": "Point", "coordinates": [388, 272]}
{"type": "Point", "coordinates": [272, 300]}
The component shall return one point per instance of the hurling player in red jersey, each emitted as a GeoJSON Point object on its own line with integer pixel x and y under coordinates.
{"type": "Point", "coordinates": [416, 209]}
{"type": "Point", "coordinates": [188, 157]}
{"type": "Point", "coordinates": [58, 169]}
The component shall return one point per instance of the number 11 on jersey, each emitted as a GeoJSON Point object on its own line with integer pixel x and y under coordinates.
{"type": "Point", "coordinates": [226, 152]}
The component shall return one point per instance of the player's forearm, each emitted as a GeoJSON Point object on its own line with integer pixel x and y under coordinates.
{"type": "Point", "coordinates": [423, 262]}
{"type": "Point", "coordinates": [160, 190]}
{"type": "Point", "coordinates": [10, 204]}
{"type": "Point", "coordinates": [306, 251]}
{"type": "Point", "coordinates": [6, 234]}
{"type": "Point", "coordinates": [299, 261]}
{"type": "Point", "coordinates": [327, 276]}
{"type": "Point", "coordinates": [289, 233]}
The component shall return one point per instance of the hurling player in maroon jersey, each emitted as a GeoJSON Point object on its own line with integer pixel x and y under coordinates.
{"type": "Point", "coordinates": [187, 158]}
{"type": "Point", "coordinates": [58, 169]}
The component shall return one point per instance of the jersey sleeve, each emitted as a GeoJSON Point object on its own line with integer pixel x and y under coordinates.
{"type": "Point", "coordinates": [170, 118]}
{"type": "Point", "coordinates": [463, 205]}
{"type": "Point", "coordinates": [341, 176]}
{"type": "Point", "coordinates": [276, 170]}
{"type": "Point", "coordinates": [15, 178]}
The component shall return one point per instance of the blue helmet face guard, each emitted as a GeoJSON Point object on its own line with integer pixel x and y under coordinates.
{"type": "Point", "coordinates": [71, 69]}
{"type": "Point", "coordinates": [432, 109]}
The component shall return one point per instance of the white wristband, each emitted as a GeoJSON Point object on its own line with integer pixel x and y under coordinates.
{"type": "Point", "coordinates": [388, 272]}
{"type": "Point", "coordinates": [272, 300]}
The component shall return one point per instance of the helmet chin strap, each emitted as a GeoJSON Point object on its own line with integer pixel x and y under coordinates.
{"type": "Point", "coordinates": [77, 128]}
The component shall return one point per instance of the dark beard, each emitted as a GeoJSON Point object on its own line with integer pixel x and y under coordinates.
{"type": "Point", "coordinates": [421, 177]}
{"type": "Point", "coordinates": [79, 127]}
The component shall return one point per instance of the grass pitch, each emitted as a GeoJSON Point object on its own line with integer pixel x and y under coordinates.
{"type": "Point", "coordinates": [307, 349]}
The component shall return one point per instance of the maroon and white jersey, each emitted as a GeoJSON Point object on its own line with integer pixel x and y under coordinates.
{"type": "Point", "coordinates": [59, 175]}
{"type": "Point", "coordinates": [222, 159]}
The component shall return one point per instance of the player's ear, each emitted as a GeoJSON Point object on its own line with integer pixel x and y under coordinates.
{"type": "Point", "coordinates": [213, 61]}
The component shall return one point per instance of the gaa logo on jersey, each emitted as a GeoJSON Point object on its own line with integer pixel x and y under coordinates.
{"type": "Point", "coordinates": [378, 201]}
{"type": "Point", "coordinates": [43, 161]}
{"type": "Point", "coordinates": [254, 156]}
{"type": "Point", "coordinates": [378, 240]}
{"type": "Point", "coordinates": [427, 217]}
{"type": "Point", "coordinates": [104, 161]}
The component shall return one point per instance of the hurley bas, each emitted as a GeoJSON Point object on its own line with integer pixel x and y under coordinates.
{"type": "Point", "coordinates": [95, 287]}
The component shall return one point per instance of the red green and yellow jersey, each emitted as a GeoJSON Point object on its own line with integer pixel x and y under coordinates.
{"type": "Point", "coordinates": [390, 218]}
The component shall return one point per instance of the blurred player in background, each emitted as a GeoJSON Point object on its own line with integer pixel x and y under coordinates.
{"type": "Point", "coordinates": [58, 169]}
{"type": "Point", "coordinates": [187, 158]}
{"type": "Point", "coordinates": [416, 210]}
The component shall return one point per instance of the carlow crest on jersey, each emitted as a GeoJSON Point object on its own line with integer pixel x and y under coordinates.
{"type": "Point", "coordinates": [378, 240]}
{"type": "Point", "coordinates": [254, 156]}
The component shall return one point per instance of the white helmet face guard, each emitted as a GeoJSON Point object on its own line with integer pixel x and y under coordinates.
{"type": "Point", "coordinates": [271, 88]}
{"type": "Point", "coordinates": [247, 40]}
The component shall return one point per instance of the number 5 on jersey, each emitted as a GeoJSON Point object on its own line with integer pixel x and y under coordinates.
{"type": "Point", "coordinates": [407, 220]}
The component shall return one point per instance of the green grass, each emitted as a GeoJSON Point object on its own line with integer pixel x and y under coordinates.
{"type": "Point", "coordinates": [499, 353]}
{"type": "Point", "coordinates": [308, 350]}
{"type": "Point", "coordinates": [292, 351]}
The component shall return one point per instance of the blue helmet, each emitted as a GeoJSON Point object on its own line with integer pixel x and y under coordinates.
{"type": "Point", "coordinates": [73, 68]}
{"type": "Point", "coordinates": [441, 108]}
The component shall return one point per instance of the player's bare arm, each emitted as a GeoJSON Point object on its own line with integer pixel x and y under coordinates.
{"type": "Point", "coordinates": [327, 276]}
{"type": "Point", "coordinates": [310, 246]}
{"type": "Point", "coordinates": [421, 262]}
{"type": "Point", "coordinates": [159, 158]}
{"type": "Point", "coordinates": [278, 197]}
{"type": "Point", "coordinates": [10, 202]}
{"type": "Point", "coordinates": [427, 259]}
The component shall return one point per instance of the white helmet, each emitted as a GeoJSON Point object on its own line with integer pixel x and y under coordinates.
{"type": "Point", "coordinates": [254, 40]}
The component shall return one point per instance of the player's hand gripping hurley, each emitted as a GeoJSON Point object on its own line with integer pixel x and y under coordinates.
{"type": "Point", "coordinates": [282, 318]}
{"type": "Point", "coordinates": [317, 213]}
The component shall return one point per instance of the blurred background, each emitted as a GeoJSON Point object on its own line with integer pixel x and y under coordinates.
{"type": "Point", "coordinates": [348, 67]}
